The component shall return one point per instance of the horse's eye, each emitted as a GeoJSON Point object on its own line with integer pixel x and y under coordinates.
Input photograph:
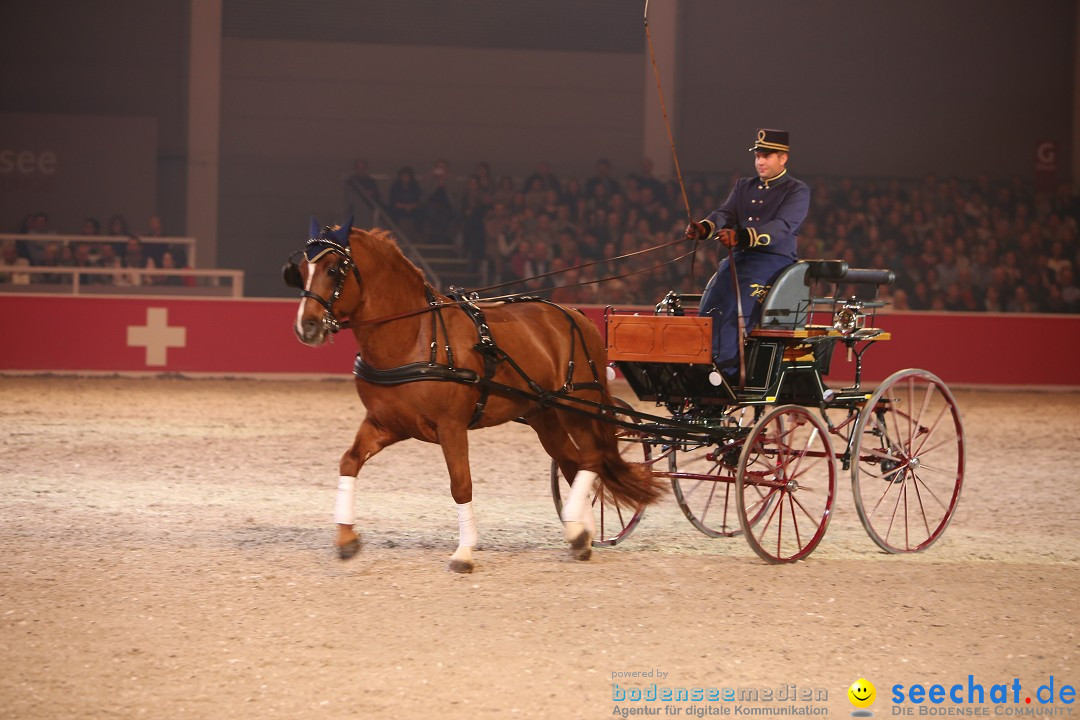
{"type": "Point", "coordinates": [334, 271]}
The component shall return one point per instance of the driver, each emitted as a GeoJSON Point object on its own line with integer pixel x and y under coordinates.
{"type": "Point", "coordinates": [760, 222]}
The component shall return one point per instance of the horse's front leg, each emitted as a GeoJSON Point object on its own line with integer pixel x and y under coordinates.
{"type": "Point", "coordinates": [369, 440]}
{"type": "Point", "coordinates": [455, 446]}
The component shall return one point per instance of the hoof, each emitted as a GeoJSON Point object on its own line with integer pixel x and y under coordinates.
{"type": "Point", "coordinates": [349, 549]}
{"type": "Point", "coordinates": [460, 566]}
{"type": "Point", "coordinates": [462, 560]}
{"type": "Point", "coordinates": [580, 543]}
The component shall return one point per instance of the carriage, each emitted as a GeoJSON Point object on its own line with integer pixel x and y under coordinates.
{"type": "Point", "coordinates": [763, 459]}
{"type": "Point", "coordinates": [758, 457]}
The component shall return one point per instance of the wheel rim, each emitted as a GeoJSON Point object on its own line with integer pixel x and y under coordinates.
{"type": "Point", "coordinates": [786, 484]}
{"type": "Point", "coordinates": [614, 522]}
{"type": "Point", "coordinates": [907, 467]}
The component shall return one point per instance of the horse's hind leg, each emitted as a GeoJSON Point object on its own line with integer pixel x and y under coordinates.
{"type": "Point", "coordinates": [578, 522]}
{"type": "Point", "coordinates": [370, 439]}
{"type": "Point", "coordinates": [455, 446]}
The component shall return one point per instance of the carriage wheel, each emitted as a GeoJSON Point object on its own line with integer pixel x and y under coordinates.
{"type": "Point", "coordinates": [614, 522]}
{"type": "Point", "coordinates": [907, 464]}
{"type": "Point", "coordinates": [786, 484]}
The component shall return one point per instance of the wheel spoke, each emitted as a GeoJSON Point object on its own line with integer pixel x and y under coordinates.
{"type": "Point", "coordinates": [795, 519]}
{"type": "Point", "coordinates": [810, 467]}
{"type": "Point", "coordinates": [801, 506]}
{"type": "Point", "coordinates": [911, 405]}
{"type": "Point", "coordinates": [806, 448]}
{"type": "Point", "coordinates": [896, 506]}
{"type": "Point", "coordinates": [763, 501]}
{"type": "Point", "coordinates": [708, 502]}
{"type": "Point", "coordinates": [922, 411]}
{"type": "Point", "coordinates": [925, 450]}
{"type": "Point", "coordinates": [895, 414]}
{"type": "Point", "coordinates": [888, 488]}
{"type": "Point", "coordinates": [727, 500]}
{"type": "Point", "coordinates": [922, 508]}
{"type": "Point", "coordinates": [772, 514]}
{"type": "Point", "coordinates": [930, 490]}
{"type": "Point", "coordinates": [907, 532]}
{"type": "Point", "coordinates": [930, 432]}
{"type": "Point", "coordinates": [935, 469]}
{"type": "Point", "coordinates": [600, 495]}
{"type": "Point", "coordinates": [780, 527]}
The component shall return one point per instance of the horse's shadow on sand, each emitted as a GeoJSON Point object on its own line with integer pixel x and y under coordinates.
{"type": "Point", "coordinates": [265, 536]}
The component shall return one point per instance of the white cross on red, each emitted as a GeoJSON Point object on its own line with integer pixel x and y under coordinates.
{"type": "Point", "coordinates": [156, 336]}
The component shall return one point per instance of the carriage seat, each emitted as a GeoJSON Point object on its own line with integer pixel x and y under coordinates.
{"type": "Point", "coordinates": [788, 305]}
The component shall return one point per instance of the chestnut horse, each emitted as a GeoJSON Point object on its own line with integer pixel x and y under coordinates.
{"type": "Point", "coordinates": [431, 367]}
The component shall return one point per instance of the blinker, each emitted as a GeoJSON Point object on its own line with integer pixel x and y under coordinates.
{"type": "Point", "coordinates": [290, 273]}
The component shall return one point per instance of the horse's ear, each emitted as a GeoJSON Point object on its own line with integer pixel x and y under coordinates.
{"type": "Point", "coordinates": [343, 232]}
{"type": "Point", "coordinates": [313, 231]}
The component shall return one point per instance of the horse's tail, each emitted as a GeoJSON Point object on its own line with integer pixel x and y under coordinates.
{"type": "Point", "coordinates": [630, 483]}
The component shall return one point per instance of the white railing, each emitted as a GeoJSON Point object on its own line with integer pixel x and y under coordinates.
{"type": "Point", "coordinates": [187, 242]}
{"type": "Point", "coordinates": [367, 213]}
{"type": "Point", "coordinates": [174, 281]}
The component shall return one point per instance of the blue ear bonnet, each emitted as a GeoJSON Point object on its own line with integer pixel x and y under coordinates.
{"type": "Point", "coordinates": [327, 240]}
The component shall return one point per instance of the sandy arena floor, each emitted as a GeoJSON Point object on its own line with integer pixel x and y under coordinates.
{"type": "Point", "coordinates": [167, 554]}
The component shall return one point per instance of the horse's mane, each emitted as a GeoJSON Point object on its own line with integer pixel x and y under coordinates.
{"type": "Point", "coordinates": [382, 243]}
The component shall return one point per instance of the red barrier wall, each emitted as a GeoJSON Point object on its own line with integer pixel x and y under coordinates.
{"type": "Point", "coordinates": [100, 334]}
{"type": "Point", "coordinates": [50, 333]}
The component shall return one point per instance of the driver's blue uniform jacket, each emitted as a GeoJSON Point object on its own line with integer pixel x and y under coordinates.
{"type": "Point", "coordinates": [767, 215]}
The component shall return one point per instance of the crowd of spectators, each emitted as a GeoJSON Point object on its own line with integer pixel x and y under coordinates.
{"type": "Point", "coordinates": [115, 247]}
{"type": "Point", "coordinates": [966, 244]}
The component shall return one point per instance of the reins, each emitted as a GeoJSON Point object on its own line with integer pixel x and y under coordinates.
{"type": "Point", "coordinates": [474, 296]}
{"type": "Point", "coordinates": [579, 266]}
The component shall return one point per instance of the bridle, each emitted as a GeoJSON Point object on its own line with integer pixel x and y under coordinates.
{"type": "Point", "coordinates": [319, 245]}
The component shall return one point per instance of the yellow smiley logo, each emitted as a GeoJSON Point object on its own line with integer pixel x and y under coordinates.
{"type": "Point", "coordinates": [861, 693]}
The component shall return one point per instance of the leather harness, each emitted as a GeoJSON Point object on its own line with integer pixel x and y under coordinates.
{"type": "Point", "coordinates": [489, 351]}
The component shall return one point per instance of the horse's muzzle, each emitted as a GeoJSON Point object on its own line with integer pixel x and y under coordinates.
{"type": "Point", "coordinates": [311, 331]}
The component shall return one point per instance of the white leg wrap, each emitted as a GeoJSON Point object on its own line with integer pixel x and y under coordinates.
{"type": "Point", "coordinates": [467, 535]}
{"type": "Point", "coordinates": [577, 505]}
{"type": "Point", "coordinates": [345, 506]}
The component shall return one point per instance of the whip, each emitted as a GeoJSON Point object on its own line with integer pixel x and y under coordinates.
{"type": "Point", "coordinates": [686, 203]}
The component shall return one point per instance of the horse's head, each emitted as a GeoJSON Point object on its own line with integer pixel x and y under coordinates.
{"type": "Point", "coordinates": [328, 279]}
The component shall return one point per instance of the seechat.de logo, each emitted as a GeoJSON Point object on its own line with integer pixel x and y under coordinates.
{"type": "Point", "coordinates": [976, 693]}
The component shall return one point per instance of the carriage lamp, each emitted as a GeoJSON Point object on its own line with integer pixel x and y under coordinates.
{"type": "Point", "coordinates": [670, 304]}
{"type": "Point", "coordinates": [849, 317]}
